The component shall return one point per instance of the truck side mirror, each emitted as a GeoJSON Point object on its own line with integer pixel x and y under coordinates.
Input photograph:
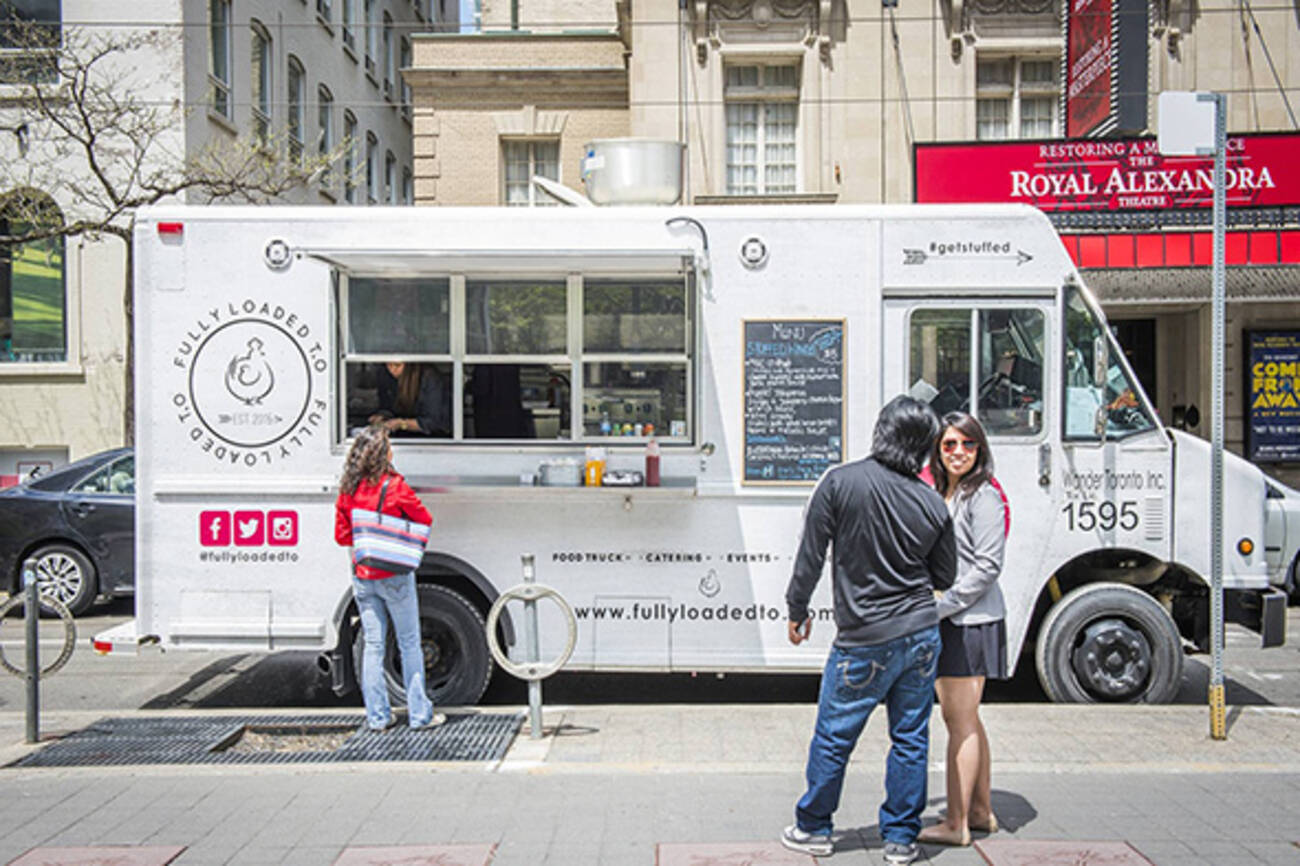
{"type": "Point", "coordinates": [1100, 361]}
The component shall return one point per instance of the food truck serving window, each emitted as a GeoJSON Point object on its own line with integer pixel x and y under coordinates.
{"type": "Point", "coordinates": [519, 358]}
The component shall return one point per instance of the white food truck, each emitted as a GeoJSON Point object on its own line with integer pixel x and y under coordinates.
{"type": "Point", "coordinates": [754, 344]}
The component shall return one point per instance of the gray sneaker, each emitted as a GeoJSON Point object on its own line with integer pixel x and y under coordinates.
{"type": "Point", "coordinates": [816, 844]}
{"type": "Point", "coordinates": [901, 852]}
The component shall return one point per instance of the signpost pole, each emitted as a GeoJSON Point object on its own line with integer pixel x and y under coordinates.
{"type": "Point", "coordinates": [1218, 723]}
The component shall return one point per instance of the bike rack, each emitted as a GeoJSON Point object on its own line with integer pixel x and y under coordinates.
{"type": "Point", "coordinates": [533, 670]}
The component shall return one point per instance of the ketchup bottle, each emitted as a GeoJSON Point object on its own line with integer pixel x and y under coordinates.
{"type": "Point", "coordinates": [652, 463]}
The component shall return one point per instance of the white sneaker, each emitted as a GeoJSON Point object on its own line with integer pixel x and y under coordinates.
{"type": "Point", "coordinates": [436, 720]}
{"type": "Point", "coordinates": [901, 853]}
{"type": "Point", "coordinates": [816, 844]}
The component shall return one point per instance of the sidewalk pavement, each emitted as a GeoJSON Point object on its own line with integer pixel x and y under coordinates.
{"type": "Point", "coordinates": [704, 785]}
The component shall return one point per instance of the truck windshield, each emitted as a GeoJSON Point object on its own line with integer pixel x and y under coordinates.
{"type": "Point", "coordinates": [1126, 411]}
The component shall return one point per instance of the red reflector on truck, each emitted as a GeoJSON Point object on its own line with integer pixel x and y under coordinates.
{"type": "Point", "coordinates": [171, 228]}
{"type": "Point", "coordinates": [102, 647]}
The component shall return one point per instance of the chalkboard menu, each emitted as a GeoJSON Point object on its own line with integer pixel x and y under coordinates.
{"type": "Point", "coordinates": [794, 399]}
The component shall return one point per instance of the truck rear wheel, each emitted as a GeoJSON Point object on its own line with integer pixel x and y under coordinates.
{"type": "Point", "coordinates": [457, 664]}
{"type": "Point", "coordinates": [1108, 642]}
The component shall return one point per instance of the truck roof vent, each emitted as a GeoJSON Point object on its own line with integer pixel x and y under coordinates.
{"type": "Point", "coordinates": [630, 171]}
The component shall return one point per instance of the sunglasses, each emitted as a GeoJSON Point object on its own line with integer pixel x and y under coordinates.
{"type": "Point", "coordinates": [950, 445]}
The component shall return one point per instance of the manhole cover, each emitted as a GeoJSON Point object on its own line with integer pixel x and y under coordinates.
{"type": "Point", "coordinates": [276, 740]}
{"type": "Point", "coordinates": [1035, 852]}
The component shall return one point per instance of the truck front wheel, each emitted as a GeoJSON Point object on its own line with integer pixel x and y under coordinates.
{"type": "Point", "coordinates": [457, 664]}
{"type": "Point", "coordinates": [1107, 642]}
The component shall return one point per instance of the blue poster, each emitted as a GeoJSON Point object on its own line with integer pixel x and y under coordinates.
{"type": "Point", "coordinates": [1273, 410]}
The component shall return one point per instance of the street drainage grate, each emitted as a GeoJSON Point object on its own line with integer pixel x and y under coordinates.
{"type": "Point", "coordinates": [276, 740]}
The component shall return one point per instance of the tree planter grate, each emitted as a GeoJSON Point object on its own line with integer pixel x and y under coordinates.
{"type": "Point", "coordinates": [275, 740]}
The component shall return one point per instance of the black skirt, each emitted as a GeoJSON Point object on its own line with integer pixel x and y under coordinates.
{"type": "Point", "coordinates": [973, 650]}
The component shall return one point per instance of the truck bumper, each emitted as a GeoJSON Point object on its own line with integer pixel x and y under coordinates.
{"type": "Point", "coordinates": [1263, 611]}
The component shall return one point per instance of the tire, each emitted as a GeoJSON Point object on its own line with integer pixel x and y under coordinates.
{"type": "Point", "coordinates": [1292, 584]}
{"type": "Point", "coordinates": [65, 573]}
{"type": "Point", "coordinates": [457, 663]}
{"type": "Point", "coordinates": [1109, 643]}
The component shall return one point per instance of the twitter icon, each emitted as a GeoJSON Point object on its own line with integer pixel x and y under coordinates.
{"type": "Point", "coordinates": [250, 529]}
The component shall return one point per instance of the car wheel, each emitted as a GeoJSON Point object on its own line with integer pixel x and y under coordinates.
{"type": "Point", "coordinates": [1108, 642]}
{"type": "Point", "coordinates": [66, 574]}
{"type": "Point", "coordinates": [457, 663]}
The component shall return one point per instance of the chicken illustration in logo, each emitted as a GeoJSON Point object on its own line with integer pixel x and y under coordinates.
{"type": "Point", "coordinates": [249, 377]}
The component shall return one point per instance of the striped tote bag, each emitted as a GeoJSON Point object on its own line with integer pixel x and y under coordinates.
{"type": "Point", "coordinates": [386, 542]}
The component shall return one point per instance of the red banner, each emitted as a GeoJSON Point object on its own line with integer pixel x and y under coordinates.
{"type": "Point", "coordinates": [1087, 65]}
{"type": "Point", "coordinates": [1108, 174]}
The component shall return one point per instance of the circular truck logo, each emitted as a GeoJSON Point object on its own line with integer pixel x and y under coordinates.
{"type": "Point", "coordinates": [250, 395]}
{"type": "Point", "coordinates": [250, 383]}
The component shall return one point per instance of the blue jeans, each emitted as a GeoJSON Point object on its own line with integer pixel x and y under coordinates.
{"type": "Point", "coordinates": [899, 673]}
{"type": "Point", "coordinates": [377, 600]}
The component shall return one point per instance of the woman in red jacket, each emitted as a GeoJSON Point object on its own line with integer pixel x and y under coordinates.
{"type": "Point", "coordinates": [380, 594]}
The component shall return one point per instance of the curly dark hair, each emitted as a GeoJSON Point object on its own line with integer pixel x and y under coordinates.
{"type": "Point", "coordinates": [981, 472]}
{"type": "Point", "coordinates": [367, 460]}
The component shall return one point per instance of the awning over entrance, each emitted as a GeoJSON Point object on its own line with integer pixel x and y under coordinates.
{"type": "Point", "coordinates": [417, 263]}
{"type": "Point", "coordinates": [1243, 283]}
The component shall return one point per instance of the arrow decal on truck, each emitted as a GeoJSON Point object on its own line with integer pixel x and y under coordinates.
{"type": "Point", "coordinates": [919, 257]}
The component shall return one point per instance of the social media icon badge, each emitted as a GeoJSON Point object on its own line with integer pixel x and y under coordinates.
{"type": "Point", "coordinates": [250, 529]}
{"type": "Point", "coordinates": [282, 528]}
{"type": "Point", "coordinates": [214, 528]}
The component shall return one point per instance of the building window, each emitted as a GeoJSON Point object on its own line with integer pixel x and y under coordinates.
{"type": "Point", "coordinates": [323, 9]}
{"type": "Point", "coordinates": [372, 168]}
{"type": "Point", "coordinates": [388, 57]}
{"type": "Point", "coordinates": [516, 357]}
{"type": "Point", "coordinates": [1016, 97]}
{"type": "Point", "coordinates": [348, 19]}
{"type": "Point", "coordinates": [325, 121]}
{"type": "Point", "coordinates": [390, 178]}
{"type": "Point", "coordinates": [408, 187]}
{"type": "Point", "coordinates": [261, 81]}
{"type": "Point", "coordinates": [296, 98]}
{"type": "Point", "coordinates": [219, 62]}
{"type": "Point", "coordinates": [372, 36]}
{"type": "Point", "coordinates": [762, 122]}
{"type": "Point", "coordinates": [30, 34]}
{"type": "Point", "coordinates": [350, 145]}
{"type": "Point", "coordinates": [405, 64]}
{"type": "Point", "coordinates": [33, 301]}
{"type": "Point", "coordinates": [523, 160]}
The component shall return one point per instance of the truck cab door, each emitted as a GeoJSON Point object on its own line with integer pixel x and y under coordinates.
{"type": "Point", "coordinates": [1115, 461]}
{"type": "Point", "coordinates": [991, 358]}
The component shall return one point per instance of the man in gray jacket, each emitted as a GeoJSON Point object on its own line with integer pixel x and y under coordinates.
{"type": "Point", "coordinates": [892, 546]}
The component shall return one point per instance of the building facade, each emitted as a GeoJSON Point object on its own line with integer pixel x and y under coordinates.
{"type": "Point", "coordinates": [827, 101]}
{"type": "Point", "coordinates": [297, 77]}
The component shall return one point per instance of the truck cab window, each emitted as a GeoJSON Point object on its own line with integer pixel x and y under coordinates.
{"type": "Point", "coordinates": [1011, 371]}
{"type": "Point", "coordinates": [1005, 348]}
{"type": "Point", "coordinates": [1125, 410]}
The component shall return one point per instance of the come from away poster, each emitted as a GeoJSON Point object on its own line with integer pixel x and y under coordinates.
{"type": "Point", "coordinates": [1273, 411]}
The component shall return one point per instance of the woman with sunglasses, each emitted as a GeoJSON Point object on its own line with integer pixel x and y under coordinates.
{"type": "Point", "coordinates": [971, 623]}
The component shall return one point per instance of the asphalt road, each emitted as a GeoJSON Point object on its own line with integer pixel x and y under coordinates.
{"type": "Point", "coordinates": [203, 680]}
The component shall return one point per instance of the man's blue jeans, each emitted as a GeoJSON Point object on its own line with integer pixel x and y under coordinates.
{"type": "Point", "coordinates": [899, 674]}
{"type": "Point", "coordinates": [377, 600]}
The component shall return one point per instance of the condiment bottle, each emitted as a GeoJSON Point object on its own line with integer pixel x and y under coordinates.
{"type": "Point", "coordinates": [594, 470]}
{"type": "Point", "coordinates": [652, 463]}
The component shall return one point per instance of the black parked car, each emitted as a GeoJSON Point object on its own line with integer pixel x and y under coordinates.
{"type": "Point", "coordinates": [79, 523]}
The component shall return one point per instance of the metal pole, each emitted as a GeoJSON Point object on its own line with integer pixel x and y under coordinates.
{"type": "Point", "coordinates": [1218, 722]}
{"type": "Point", "coordinates": [32, 615]}
{"type": "Point", "coordinates": [533, 638]}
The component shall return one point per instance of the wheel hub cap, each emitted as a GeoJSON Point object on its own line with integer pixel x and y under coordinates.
{"type": "Point", "coordinates": [58, 575]}
{"type": "Point", "coordinates": [1113, 661]}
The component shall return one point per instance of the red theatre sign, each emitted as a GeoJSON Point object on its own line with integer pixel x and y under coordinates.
{"type": "Point", "coordinates": [1108, 174]}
